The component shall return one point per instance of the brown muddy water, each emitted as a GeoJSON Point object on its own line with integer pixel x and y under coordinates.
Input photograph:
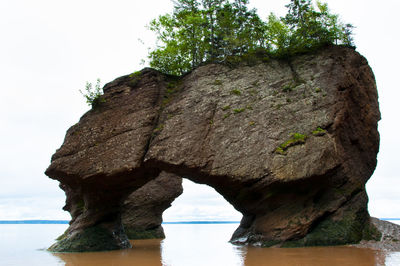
{"type": "Point", "coordinates": [150, 252]}
{"type": "Point", "coordinates": [185, 244]}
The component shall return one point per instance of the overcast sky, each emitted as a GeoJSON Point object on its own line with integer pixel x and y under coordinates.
{"type": "Point", "coordinates": [50, 48]}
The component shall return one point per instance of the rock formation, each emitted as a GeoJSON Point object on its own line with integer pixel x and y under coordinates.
{"type": "Point", "coordinates": [289, 143]}
{"type": "Point", "coordinates": [389, 240]}
{"type": "Point", "coordinates": [142, 210]}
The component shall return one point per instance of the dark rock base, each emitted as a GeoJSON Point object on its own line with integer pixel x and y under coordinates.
{"type": "Point", "coordinates": [389, 239]}
{"type": "Point", "coordinates": [95, 238]}
{"type": "Point", "coordinates": [348, 225]}
{"type": "Point", "coordinates": [154, 233]}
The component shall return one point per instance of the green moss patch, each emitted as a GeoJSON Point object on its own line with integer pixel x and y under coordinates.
{"type": "Point", "coordinates": [372, 233]}
{"type": "Point", "coordinates": [171, 89]}
{"type": "Point", "coordinates": [135, 79]}
{"type": "Point", "coordinates": [288, 87]}
{"type": "Point", "coordinates": [218, 82]}
{"type": "Point", "coordinates": [95, 238]}
{"type": "Point", "coordinates": [227, 107]}
{"type": "Point", "coordinates": [349, 230]}
{"type": "Point", "coordinates": [158, 129]}
{"type": "Point", "coordinates": [64, 235]}
{"type": "Point", "coordinates": [239, 110]}
{"type": "Point", "coordinates": [296, 139]}
{"type": "Point", "coordinates": [236, 92]}
{"type": "Point", "coordinates": [319, 132]}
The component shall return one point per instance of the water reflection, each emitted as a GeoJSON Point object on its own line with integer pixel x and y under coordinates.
{"type": "Point", "coordinates": [330, 256]}
{"type": "Point", "coordinates": [207, 245]}
{"type": "Point", "coordinates": [194, 244]}
{"type": "Point", "coordinates": [144, 252]}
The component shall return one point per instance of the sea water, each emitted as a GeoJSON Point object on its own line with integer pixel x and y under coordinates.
{"type": "Point", "coordinates": [185, 244]}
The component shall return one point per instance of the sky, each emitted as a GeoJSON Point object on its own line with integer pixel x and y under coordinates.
{"type": "Point", "coordinates": [50, 48]}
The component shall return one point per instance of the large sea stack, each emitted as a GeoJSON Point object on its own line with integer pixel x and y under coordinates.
{"type": "Point", "coordinates": [289, 143]}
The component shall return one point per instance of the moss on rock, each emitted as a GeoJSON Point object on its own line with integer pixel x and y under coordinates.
{"type": "Point", "coordinates": [330, 233]}
{"type": "Point", "coordinates": [154, 233]}
{"type": "Point", "coordinates": [350, 229]}
{"type": "Point", "coordinates": [319, 132]}
{"type": "Point", "coordinates": [94, 238]}
{"type": "Point", "coordinates": [371, 233]}
{"type": "Point", "coordinates": [296, 139]}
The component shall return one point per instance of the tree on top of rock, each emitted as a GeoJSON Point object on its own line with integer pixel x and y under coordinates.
{"type": "Point", "coordinates": [214, 30]}
{"type": "Point", "coordinates": [312, 27]}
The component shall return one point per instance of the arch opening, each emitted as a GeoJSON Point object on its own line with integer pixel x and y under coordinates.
{"type": "Point", "coordinates": [200, 203]}
{"type": "Point", "coordinates": [200, 217]}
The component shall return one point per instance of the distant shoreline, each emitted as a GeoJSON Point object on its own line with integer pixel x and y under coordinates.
{"type": "Point", "coordinates": [179, 222]}
{"type": "Point", "coordinates": [66, 222]}
{"type": "Point", "coordinates": [34, 222]}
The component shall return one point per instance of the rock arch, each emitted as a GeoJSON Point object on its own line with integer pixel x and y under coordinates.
{"type": "Point", "coordinates": [290, 144]}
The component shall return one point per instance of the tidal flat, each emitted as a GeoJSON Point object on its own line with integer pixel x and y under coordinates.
{"type": "Point", "coordinates": [185, 244]}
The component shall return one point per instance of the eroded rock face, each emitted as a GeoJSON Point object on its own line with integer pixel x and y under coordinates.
{"type": "Point", "coordinates": [142, 210]}
{"type": "Point", "coordinates": [290, 144]}
{"type": "Point", "coordinates": [389, 240]}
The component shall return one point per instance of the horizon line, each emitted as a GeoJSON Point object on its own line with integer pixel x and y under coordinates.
{"type": "Point", "coordinates": [38, 221]}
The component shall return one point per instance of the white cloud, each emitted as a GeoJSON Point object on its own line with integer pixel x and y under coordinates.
{"type": "Point", "coordinates": [200, 203]}
{"type": "Point", "coordinates": [32, 208]}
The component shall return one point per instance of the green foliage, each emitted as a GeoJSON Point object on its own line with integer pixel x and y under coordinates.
{"type": "Point", "coordinates": [228, 31]}
{"type": "Point", "coordinates": [278, 34]}
{"type": "Point", "coordinates": [313, 27]}
{"type": "Point", "coordinates": [227, 107]}
{"type": "Point", "coordinates": [296, 139]}
{"type": "Point", "coordinates": [135, 79]}
{"type": "Point", "coordinates": [218, 82]}
{"type": "Point", "coordinates": [92, 95]}
{"type": "Point", "coordinates": [171, 89]}
{"type": "Point", "coordinates": [158, 130]}
{"type": "Point", "coordinates": [236, 92]}
{"type": "Point", "coordinates": [135, 74]}
{"type": "Point", "coordinates": [319, 132]}
{"type": "Point", "coordinates": [288, 87]}
{"type": "Point", "coordinates": [238, 110]}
